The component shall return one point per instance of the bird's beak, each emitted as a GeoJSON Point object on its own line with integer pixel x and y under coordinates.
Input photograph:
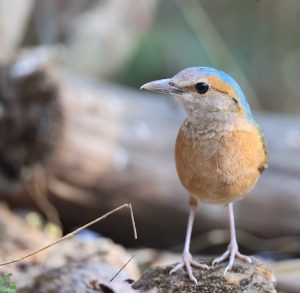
{"type": "Point", "coordinates": [164, 86]}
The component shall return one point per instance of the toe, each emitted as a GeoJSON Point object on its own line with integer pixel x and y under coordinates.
{"type": "Point", "coordinates": [187, 263]}
{"type": "Point", "coordinates": [243, 257]}
{"type": "Point", "coordinates": [176, 268]}
{"type": "Point", "coordinates": [199, 265]}
{"type": "Point", "coordinates": [193, 279]}
{"type": "Point", "coordinates": [190, 273]}
{"type": "Point", "coordinates": [231, 261]}
{"type": "Point", "coordinates": [228, 268]}
{"type": "Point", "coordinates": [221, 258]}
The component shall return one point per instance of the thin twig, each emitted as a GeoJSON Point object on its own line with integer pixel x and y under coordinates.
{"type": "Point", "coordinates": [121, 269]}
{"type": "Point", "coordinates": [70, 235]}
{"type": "Point", "coordinates": [133, 221]}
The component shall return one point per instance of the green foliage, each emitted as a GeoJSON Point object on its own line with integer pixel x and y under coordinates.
{"type": "Point", "coordinates": [257, 43]}
{"type": "Point", "coordinates": [7, 285]}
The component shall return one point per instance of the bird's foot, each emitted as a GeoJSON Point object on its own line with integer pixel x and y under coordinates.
{"type": "Point", "coordinates": [232, 252]}
{"type": "Point", "coordinates": [187, 263]}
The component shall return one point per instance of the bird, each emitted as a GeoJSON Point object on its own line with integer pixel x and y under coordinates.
{"type": "Point", "coordinates": [220, 149]}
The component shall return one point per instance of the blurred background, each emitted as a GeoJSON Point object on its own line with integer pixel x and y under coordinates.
{"type": "Point", "coordinates": [78, 138]}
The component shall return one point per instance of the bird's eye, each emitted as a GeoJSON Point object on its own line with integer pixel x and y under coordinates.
{"type": "Point", "coordinates": [202, 87]}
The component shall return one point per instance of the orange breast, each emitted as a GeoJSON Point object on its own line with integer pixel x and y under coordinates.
{"type": "Point", "coordinates": [222, 168]}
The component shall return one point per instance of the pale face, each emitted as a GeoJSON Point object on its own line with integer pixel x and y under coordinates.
{"type": "Point", "coordinates": [203, 94]}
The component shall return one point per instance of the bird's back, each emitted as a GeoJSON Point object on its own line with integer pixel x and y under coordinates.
{"type": "Point", "coordinates": [219, 167]}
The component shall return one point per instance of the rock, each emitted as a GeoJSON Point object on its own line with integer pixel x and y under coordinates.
{"type": "Point", "coordinates": [245, 278]}
{"type": "Point", "coordinates": [71, 265]}
{"type": "Point", "coordinates": [17, 239]}
{"type": "Point", "coordinates": [74, 277]}
{"type": "Point", "coordinates": [16, 235]}
{"type": "Point", "coordinates": [91, 251]}
{"type": "Point", "coordinates": [115, 287]}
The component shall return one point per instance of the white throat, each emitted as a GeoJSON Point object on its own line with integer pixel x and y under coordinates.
{"type": "Point", "coordinates": [214, 115]}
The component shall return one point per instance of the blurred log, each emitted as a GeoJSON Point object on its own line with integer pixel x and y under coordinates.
{"type": "Point", "coordinates": [255, 277]}
{"type": "Point", "coordinates": [110, 145]}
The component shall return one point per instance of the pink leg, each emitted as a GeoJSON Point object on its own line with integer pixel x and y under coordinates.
{"type": "Point", "coordinates": [187, 259]}
{"type": "Point", "coordinates": [233, 251]}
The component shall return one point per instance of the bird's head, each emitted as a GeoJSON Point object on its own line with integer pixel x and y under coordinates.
{"type": "Point", "coordinates": [204, 93]}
